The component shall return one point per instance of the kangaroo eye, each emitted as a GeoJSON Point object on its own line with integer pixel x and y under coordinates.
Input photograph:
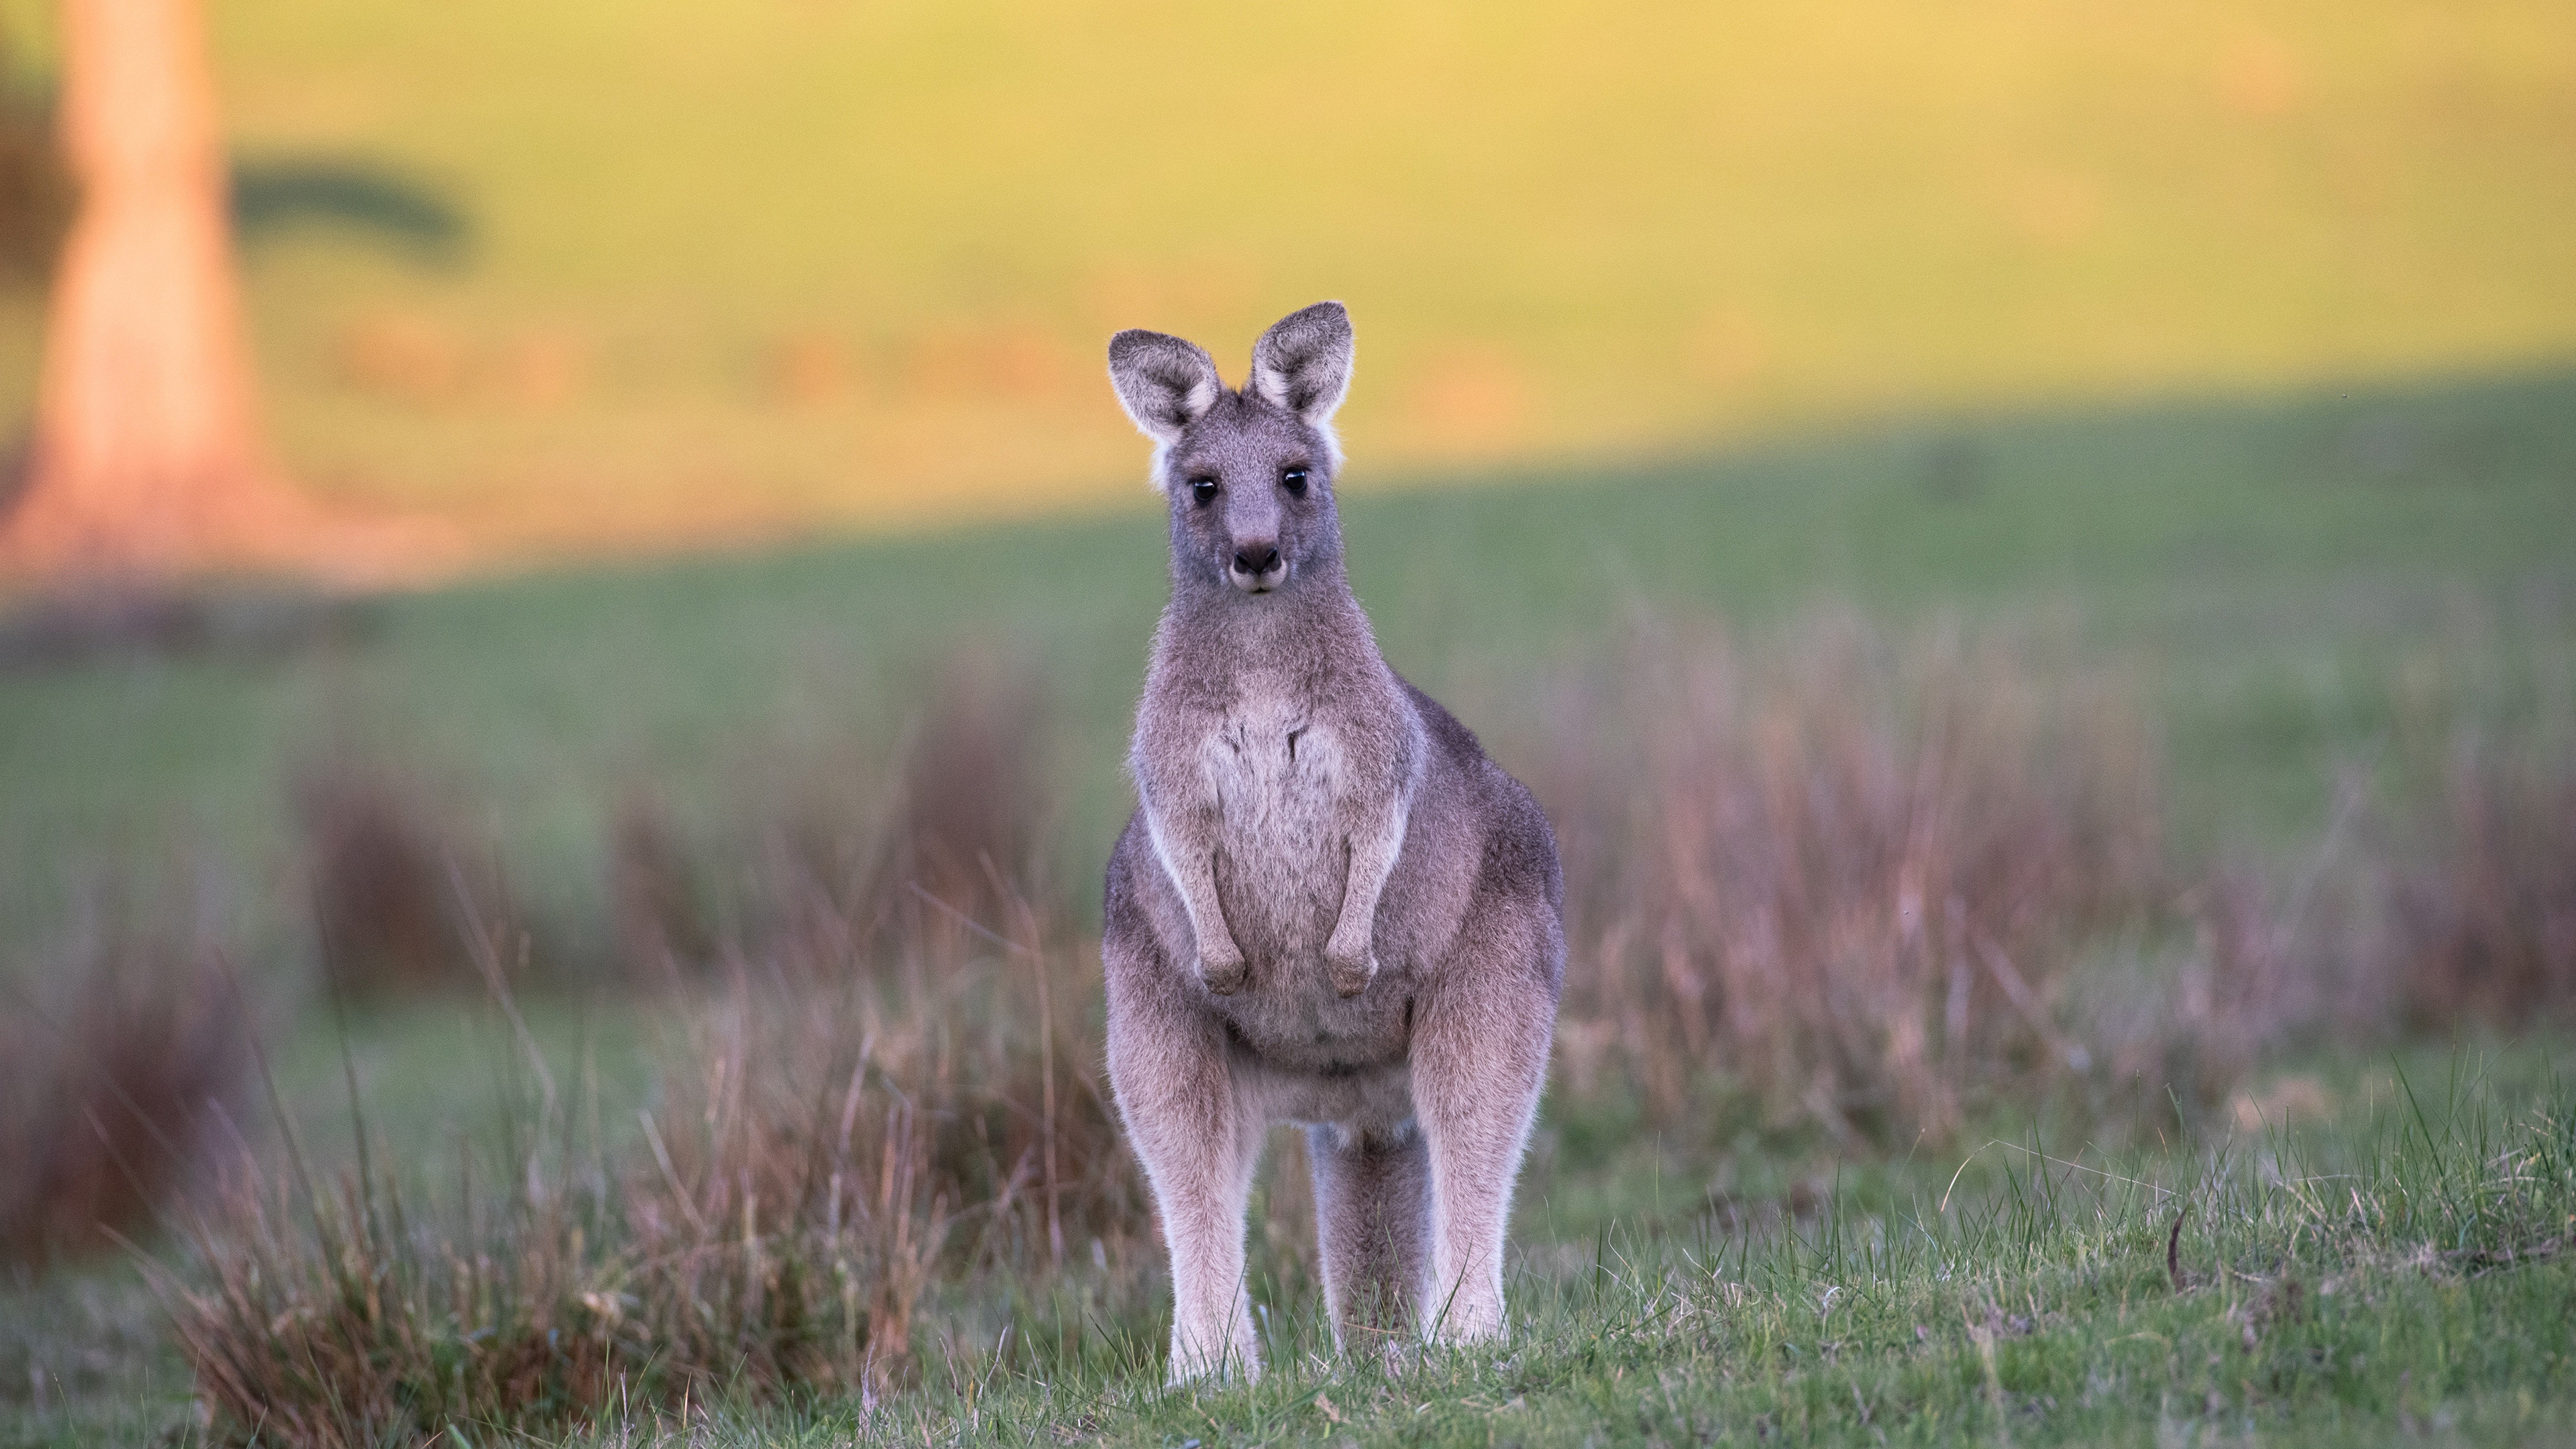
{"type": "Point", "coordinates": [1203, 491]}
{"type": "Point", "coordinates": [1294, 480]}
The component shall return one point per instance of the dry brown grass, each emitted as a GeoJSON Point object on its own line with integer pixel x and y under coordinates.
{"type": "Point", "coordinates": [1876, 886]}
{"type": "Point", "coordinates": [658, 897]}
{"type": "Point", "coordinates": [1873, 888]}
{"type": "Point", "coordinates": [1852, 878]}
{"type": "Point", "coordinates": [2481, 902]}
{"type": "Point", "coordinates": [881, 1079]}
{"type": "Point", "coordinates": [824, 1144]}
{"type": "Point", "coordinates": [2244, 969]}
{"type": "Point", "coordinates": [380, 862]}
{"type": "Point", "coordinates": [973, 800]}
{"type": "Point", "coordinates": [349, 1325]}
{"type": "Point", "coordinates": [845, 854]}
{"type": "Point", "coordinates": [987, 1031]}
{"type": "Point", "coordinates": [109, 1080]}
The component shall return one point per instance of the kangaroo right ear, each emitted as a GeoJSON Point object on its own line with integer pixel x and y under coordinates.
{"type": "Point", "coordinates": [1303, 363]}
{"type": "Point", "coordinates": [1164, 383]}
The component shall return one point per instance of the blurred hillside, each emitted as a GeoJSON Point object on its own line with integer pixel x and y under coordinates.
{"type": "Point", "coordinates": [733, 272]}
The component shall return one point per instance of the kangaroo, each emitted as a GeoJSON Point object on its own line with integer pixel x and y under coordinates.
{"type": "Point", "coordinates": [1331, 908]}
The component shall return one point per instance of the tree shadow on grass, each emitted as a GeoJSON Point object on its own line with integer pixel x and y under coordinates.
{"type": "Point", "coordinates": [279, 196]}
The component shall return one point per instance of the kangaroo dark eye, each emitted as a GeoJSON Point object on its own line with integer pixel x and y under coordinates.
{"type": "Point", "coordinates": [1294, 480]}
{"type": "Point", "coordinates": [1203, 491]}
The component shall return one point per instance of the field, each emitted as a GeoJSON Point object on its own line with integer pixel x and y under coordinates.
{"type": "Point", "coordinates": [2025, 548]}
{"type": "Point", "coordinates": [733, 274]}
{"type": "Point", "coordinates": [2281, 1287]}
{"type": "Point", "coordinates": [2282, 575]}
{"type": "Point", "coordinates": [2305, 607]}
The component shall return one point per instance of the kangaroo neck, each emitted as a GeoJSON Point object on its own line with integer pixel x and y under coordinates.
{"type": "Point", "coordinates": [1313, 622]}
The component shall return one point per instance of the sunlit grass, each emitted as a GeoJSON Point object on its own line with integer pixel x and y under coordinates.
{"type": "Point", "coordinates": [2396, 1270]}
{"type": "Point", "coordinates": [741, 270]}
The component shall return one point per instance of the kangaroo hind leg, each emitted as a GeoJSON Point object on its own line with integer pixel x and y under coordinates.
{"type": "Point", "coordinates": [1373, 1225]}
{"type": "Point", "coordinates": [1479, 1059]}
{"type": "Point", "coordinates": [1200, 1140]}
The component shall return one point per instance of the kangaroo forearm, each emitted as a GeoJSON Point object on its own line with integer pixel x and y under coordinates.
{"type": "Point", "coordinates": [1207, 918]}
{"type": "Point", "coordinates": [1373, 854]}
{"type": "Point", "coordinates": [1190, 864]}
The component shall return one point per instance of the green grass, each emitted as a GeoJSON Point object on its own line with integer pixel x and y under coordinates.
{"type": "Point", "coordinates": [2393, 1274]}
{"type": "Point", "coordinates": [2311, 256]}
{"type": "Point", "coordinates": [2289, 582]}
{"type": "Point", "coordinates": [2401, 1268]}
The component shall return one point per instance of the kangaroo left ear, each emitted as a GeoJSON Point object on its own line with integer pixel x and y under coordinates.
{"type": "Point", "coordinates": [1164, 383]}
{"type": "Point", "coordinates": [1303, 363]}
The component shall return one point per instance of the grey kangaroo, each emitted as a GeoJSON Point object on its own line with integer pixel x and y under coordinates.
{"type": "Point", "coordinates": [1332, 909]}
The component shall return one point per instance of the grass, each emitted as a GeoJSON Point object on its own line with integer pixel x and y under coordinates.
{"type": "Point", "coordinates": [2281, 589]}
{"type": "Point", "coordinates": [2042, 1312]}
{"type": "Point", "coordinates": [2295, 582]}
{"type": "Point", "coordinates": [882, 1146]}
{"type": "Point", "coordinates": [2394, 1270]}
{"type": "Point", "coordinates": [1813, 866]}
{"type": "Point", "coordinates": [116, 1051]}
{"type": "Point", "coordinates": [735, 273]}
{"type": "Point", "coordinates": [2375, 1249]}
{"type": "Point", "coordinates": [2396, 1274]}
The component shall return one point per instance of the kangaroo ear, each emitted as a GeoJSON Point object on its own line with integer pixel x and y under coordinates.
{"type": "Point", "coordinates": [1303, 363]}
{"type": "Point", "coordinates": [1164, 383]}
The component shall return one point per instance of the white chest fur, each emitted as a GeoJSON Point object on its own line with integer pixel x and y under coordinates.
{"type": "Point", "coordinates": [1277, 773]}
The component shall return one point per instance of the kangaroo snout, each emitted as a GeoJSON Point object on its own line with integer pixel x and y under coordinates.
{"type": "Point", "coordinates": [1257, 567]}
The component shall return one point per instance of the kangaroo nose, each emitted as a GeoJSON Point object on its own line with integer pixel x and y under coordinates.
{"type": "Point", "coordinates": [1256, 559]}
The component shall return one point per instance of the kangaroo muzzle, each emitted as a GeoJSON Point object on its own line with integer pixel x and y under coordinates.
{"type": "Point", "coordinates": [1256, 568]}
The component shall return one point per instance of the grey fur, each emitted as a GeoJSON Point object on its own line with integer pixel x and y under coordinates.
{"type": "Point", "coordinates": [1164, 383]}
{"type": "Point", "coordinates": [1332, 908]}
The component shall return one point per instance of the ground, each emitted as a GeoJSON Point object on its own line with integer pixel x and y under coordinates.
{"type": "Point", "coordinates": [2290, 586]}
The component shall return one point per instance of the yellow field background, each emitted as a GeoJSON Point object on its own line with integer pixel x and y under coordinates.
{"type": "Point", "coordinates": [745, 270]}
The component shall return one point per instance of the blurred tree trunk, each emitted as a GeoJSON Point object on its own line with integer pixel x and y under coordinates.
{"type": "Point", "coordinates": [146, 457]}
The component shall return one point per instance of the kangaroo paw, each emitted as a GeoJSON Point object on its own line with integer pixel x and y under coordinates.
{"type": "Point", "coordinates": [1350, 977]}
{"type": "Point", "coordinates": [1225, 977]}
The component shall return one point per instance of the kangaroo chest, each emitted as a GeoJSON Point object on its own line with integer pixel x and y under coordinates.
{"type": "Point", "coordinates": [1277, 771]}
{"type": "Point", "coordinates": [1283, 775]}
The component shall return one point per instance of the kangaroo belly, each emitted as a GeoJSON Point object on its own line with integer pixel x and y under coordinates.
{"type": "Point", "coordinates": [1278, 777]}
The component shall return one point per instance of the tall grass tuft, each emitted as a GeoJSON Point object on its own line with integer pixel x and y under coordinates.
{"type": "Point", "coordinates": [2244, 969]}
{"type": "Point", "coordinates": [982, 1029]}
{"type": "Point", "coordinates": [2481, 902]}
{"type": "Point", "coordinates": [973, 797]}
{"type": "Point", "coordinates": [1875, 888]}
{"type": "Point", "coordinates": [336, 1318]}
{"type": "Point", "coordinates": [658, 895]}
{"type": "Point", "coordinates": [1849, 876]}
{"type": "Point", "coordinates": [830, 1137]}
{"type": "Point", "coordinates": [111, 1079]}
{"type": "Point", "coordinates": [378, 865]}
{"type": "Point", "coordinates": [843, 852]}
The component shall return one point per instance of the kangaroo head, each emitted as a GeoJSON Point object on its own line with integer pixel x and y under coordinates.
{"type": "Point", "coordinates": [1248, 474]}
